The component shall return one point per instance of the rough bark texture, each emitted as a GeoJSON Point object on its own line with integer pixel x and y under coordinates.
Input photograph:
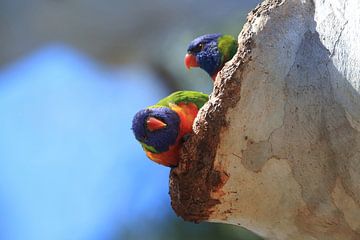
{"type": "Point", "coordinates": [277, 147]}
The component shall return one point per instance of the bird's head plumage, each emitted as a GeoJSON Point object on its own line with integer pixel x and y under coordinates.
{"type": "Point", "coordinates": [156, 128]}
{"type": "Point", "coordinates": [210, 52]}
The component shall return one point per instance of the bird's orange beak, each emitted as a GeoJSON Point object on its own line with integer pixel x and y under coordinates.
{"type": "Point", "coordinates": [154, 124]}
{"type": "Point", "coordinates": [190, 61]}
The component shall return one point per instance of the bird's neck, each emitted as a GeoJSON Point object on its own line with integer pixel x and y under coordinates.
{"type": "Point", "coordinates": [187, 113]}
{"type": "Point", "coordinates": [213, 77]}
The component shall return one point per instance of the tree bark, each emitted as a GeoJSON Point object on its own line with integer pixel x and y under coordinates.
{"type": "Point", "coordinates": [277, 147]}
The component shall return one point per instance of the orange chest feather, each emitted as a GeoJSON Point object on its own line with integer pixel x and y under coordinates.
{"type": "Point", "coordinates": [187, 113]}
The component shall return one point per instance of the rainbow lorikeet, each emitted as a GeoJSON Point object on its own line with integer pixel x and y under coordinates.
{"type": "Point", "coordinates": [210, 52]}
{"type": "Point", "coordinates": [162, 128]}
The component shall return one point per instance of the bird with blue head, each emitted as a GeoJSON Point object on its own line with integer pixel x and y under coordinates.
{"type": "Point", "coordinates": [210, 52]}
{"type": "Point", "coordinates": [162, 128]}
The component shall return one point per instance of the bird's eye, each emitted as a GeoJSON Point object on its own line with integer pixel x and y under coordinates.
{"type": "Point", "coordinates": [199, 47]}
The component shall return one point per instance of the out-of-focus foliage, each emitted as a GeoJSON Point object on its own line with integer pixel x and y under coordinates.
{"type": "Point", "coordinates": [155, 33]}
{"type": "Point", "coordinates": [113, 30]}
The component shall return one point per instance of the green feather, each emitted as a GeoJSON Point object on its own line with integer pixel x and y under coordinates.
{"type": "Point", "coordinates": [148, 148]}
{"type": "Point", "coordinates": [198, 98]}
{"type": "Point", "coordinates": [228, 46]}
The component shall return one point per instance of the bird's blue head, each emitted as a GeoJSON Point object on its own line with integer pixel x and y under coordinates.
{"type": "Point", "coordinates": [203, 52]}
{"type": "Point", "coordinates": [156, 128]}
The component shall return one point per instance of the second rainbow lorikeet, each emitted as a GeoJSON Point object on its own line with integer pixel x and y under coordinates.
{"type": "Point", "coordinates": [210, 52]}
{"type": "Point", "coordinates": [162, 128]}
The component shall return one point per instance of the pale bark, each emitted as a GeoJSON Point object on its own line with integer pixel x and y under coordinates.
{"type": "Point", "coordinates": [277, 147]}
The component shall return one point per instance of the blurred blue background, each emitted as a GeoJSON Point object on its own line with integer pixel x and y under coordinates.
{"type": "Point", "coordinates": [72, 75]}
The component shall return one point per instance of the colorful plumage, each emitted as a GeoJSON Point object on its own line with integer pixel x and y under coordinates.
{"type": "Point", "coordinates": [161, 128]}
{"type": "Point", "coordinates": [210, 52]}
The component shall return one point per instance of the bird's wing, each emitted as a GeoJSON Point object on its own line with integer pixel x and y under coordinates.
{"type": "Point", "coordinates": [198, 98]}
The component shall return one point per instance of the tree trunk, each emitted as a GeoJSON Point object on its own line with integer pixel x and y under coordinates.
{"type": "Point", "coordinates": [277, 147]}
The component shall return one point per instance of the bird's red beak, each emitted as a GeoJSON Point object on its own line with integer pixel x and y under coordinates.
{"type": "Point", "coordinates": [154, 124]}
{"type": "Point", "coordinates": [190, 61]}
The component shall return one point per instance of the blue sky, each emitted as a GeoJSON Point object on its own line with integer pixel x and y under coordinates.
{"type": "Point", "coordinates": [69, 165]}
